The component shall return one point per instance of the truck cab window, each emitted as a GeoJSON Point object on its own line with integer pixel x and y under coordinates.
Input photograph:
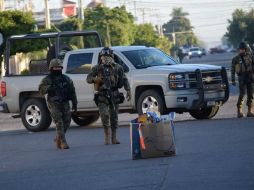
{"type": "Point", "coordinates": [118, 60]}
{"type": "Point", "coordinates": [80, 63]}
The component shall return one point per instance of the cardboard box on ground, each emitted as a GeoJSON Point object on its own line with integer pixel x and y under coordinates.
{"type": "Point", "coordinates": [152, 135]}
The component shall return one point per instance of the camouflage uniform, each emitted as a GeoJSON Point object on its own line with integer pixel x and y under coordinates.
{"type": "Point", "coordinates": [180, 55]}
{"type": "Point", "coordinates": [242, 65]}
{"type": "Point", "coordinates": [59, 90]}
{"type": "Point", "coordinates": [108, 107]}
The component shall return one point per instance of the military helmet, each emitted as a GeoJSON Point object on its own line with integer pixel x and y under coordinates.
{"type": "Point", "coordinates": [55, 63]}
{"type": "Point", "coordinates": [242, 45]}
{"type": "Point", "coordinates": [106, 51]}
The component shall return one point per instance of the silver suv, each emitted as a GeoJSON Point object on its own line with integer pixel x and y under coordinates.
{"type": "Point", "coordinates": [195, 52]}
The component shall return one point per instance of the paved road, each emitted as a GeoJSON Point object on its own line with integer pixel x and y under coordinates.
{"type": "Point", "coordinates": [211, 154]}
{"type": "Point", "coordinates": [221, 59]}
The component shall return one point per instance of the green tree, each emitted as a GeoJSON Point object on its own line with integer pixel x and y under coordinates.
{"type": "Point", "coordinates": [70, 24]}
{"type": "Point", "coordinates": [181, 26]}
{"type": "Point", "coordinates": [241, 27]}
{"type": "Point", "coordinates": [164, 44]}
{"type": "Point", "coordinates": [15, 22]}
{"type": "Point", "coordinates": [116, 26]}
{"type": "Point", "coordinates": [145, 35]}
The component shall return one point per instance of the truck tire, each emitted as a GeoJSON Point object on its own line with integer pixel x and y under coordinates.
{"type": "Point", "coordinates": [205, 113]}
{"type": "Point", "coordinates": [84, 121]}
{"type": "Point", "coordinates": [150, 99]}
{"type": "Point", "coordinates": [35, 115]}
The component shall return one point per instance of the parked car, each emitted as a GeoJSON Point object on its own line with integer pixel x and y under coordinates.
{"type": "Point", "coordinates": [195, 52]}
{"type": "Point", "coordinates": [217, 50]}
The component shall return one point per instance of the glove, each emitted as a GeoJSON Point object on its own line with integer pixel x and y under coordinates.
{"type": "Point", "coordinates": [97, 80]}
{"type": "Point", "coordinates": [74, 107]}
{"type": "Point", "coordinates": [128, 95]}
{"type": "Point", "coordinates": [233, 83]}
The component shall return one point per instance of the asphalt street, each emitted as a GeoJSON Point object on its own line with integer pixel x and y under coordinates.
{"type": "Point", "coordinates": [211, 154]}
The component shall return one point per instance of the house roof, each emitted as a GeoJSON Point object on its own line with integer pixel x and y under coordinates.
{"type": "Point", "coordinates": [68, 2]}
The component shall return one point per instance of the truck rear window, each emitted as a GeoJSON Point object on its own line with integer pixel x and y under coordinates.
{"type": "Point", "coordinates": [79, 63]}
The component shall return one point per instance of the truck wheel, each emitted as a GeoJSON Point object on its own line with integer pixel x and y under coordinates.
{"type": "Point", "coordinates": [150, 99]}
{"type": "Point", "coordinates": [84, 121]}
{"type": "Point", "coordinates": [35, 115]}
{"type": "Point", "coordinates": [205, 113]}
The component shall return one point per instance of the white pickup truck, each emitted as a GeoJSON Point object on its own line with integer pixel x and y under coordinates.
{"type": "Point", "coordinates": [157, 81]}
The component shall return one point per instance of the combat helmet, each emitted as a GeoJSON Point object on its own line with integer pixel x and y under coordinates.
{"type": "Point", "coordinates": [106, 51]}
{"type": "Point", "coordinates": [55, 63]}
{"type": "Point", "coordinates": [242, 45]}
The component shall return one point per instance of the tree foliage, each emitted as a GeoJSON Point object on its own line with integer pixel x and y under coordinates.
{"type": "Point", "coordinates": [70, 24]}
{"type": "Point", "coordinates": [116, 26]}
{"type": "Point", "coordinates": [13, 23]}
{"type": "Point", "coordinates": [181, 26]}
{"type": "Point", "coordinates": [16, 22]}
{"type": "Point", "coordinates": [145, 35]}
{"type": "Point", "coordinates": [164, 44]}
{"type": "Point", "coordinates": [241, 27]}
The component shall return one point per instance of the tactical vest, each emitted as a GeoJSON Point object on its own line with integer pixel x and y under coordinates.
{"type": "Point", "coordinates": [243, 64]}
{"type": "Point", "coordinates": [114, 74]}
{"type": "Point", "coordinates": [61, 86]}
{"type": "Point", "coordinates": [115, 77]}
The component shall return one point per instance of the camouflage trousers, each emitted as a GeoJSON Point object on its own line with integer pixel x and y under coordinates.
{"type": "Point", "coordinates": [109, 115]}
{"type": "Point", "coordinates": [61, 115]}
{"type": "Point", "coordinates": [245, 84]}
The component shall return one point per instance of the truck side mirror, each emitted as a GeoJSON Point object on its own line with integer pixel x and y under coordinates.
{"type": "Point", "coordinates": [1, 39]}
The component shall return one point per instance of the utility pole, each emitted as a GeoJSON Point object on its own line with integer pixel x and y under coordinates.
{"type": "Point", "coordinates": [104, 3]}
{"type": "Point", "coordinates": [1, 5]}
{"type": "Point", "coordinates": [80, 10]}
{"type": "Point", "coordinates": [47, 16]}
{"type": "Point", "coordinates": [173, 34]}
{"type": "Point", "coordinates": [135, 10]}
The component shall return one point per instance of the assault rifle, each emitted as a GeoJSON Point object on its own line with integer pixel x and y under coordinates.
{"type": "Point", "coordinates": [107, 85]}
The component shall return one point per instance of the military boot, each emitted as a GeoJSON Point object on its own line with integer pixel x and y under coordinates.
{"type": "Point", "coordinates": [57, 141]}
{"type": "Point", "coordinates": [250, 113]}
{"type": "Point", "coordinates": [239, 112]}
{"type": "Point", "coordinates": [64, 144]}
{"type": "Point", "coordinates": [106, 136]}
{"type": "Point", "coordinates": [113, 137]}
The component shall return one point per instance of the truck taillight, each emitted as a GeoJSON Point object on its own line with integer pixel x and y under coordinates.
{"type": "Point", "coordinates": [3, 89]}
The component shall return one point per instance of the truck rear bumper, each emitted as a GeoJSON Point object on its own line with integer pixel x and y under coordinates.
{"type": "Point", "coordinates": [4, 107]}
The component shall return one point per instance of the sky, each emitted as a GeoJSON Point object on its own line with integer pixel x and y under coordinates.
{"type": "Point", "coordinates": [208, 17]}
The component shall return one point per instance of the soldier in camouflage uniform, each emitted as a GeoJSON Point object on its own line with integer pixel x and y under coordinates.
{"type": "Point", "coordinates": [243, 66]}
{"type": "Point", "coordinates": [107, 96]}
{"type": "Point", "coordinates": [60, 90]}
